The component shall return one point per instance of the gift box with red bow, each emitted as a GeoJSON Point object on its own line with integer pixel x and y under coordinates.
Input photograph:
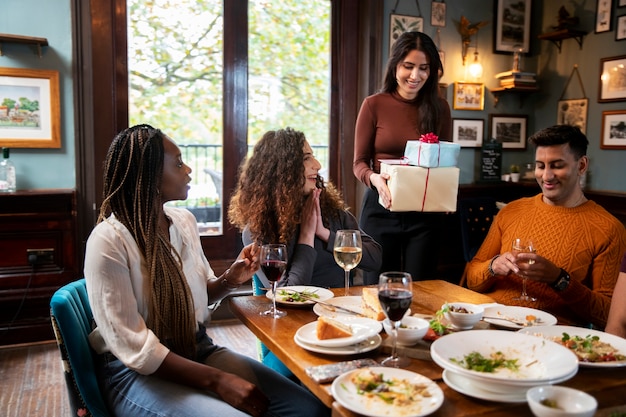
{"type": "Point", "coordinates": [430, 152]}
{"type": "Point", "coordinates": [421, 189]}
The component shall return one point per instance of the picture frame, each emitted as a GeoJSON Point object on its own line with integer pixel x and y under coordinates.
{"type": "Point", "coordinates": [398, 24]}
{"type": "Point", "coordinates": [509, 130]}
{"type": "Point", "coordinates": [603, 15]}
{"type": "Point", "coordinates": [468, 133]}
{"type": "Point", "coordinates": [573, 112]}
{"type": "Point", "coordinates": [438, 14]}
{"type": "Point", "coordinates": [469, 96]}
{"type": "Point", "coordinates": [612, 79]}
{"type": "Point", "coordinates": [512, 28]}
{"type": "Point", "coordinates": [29, 108]}
{"type": "Point", "coordinates": [620, 30]}
{"type": "Point", "coordinates": [613, 129]}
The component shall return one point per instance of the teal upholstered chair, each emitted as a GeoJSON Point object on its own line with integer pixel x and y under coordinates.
{"type": "Point", "coordinates": [72, 322]}
{"type": "Point", "coordinates": [265, 355]}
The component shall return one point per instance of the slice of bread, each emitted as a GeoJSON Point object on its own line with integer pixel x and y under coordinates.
{"type": "Point", "coordinates": [371, 305]}
{"type": "Point", "coordinates": [328, 328]}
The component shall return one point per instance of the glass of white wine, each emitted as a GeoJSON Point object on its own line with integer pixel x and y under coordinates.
{"type": "Point", "coordinates": [524, 246]}
{"type": "Point", "coordinates": [348, 251]}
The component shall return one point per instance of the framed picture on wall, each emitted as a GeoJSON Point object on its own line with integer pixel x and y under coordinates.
{"type": "Point", "coordinates": [509, 130]}
{"type": "Point", "coordinates": [398, 24]}
{"type": "Point", "coordinates": [468, 132]}
{"type": "Point", "coordinates": [469, 96]}
{"type": "Point", "coordinates": [29, 108]}
{"type": "Point", "coordinates": [620, 30]}
{"type": "Point", "coordinates": [574, 113]}
{"type": "Point", "coordinates": [603, 15]}
{"type": "Point", "coordinates": [437, 13]}
{"type": "Point", "coordinates": [512, 28]}
{"type": "Point", "coordinates": [613, 129]}
{"type": "Point", "coordinates": [612, 79]}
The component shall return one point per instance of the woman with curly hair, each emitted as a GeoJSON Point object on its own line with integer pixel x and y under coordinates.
{"type": "Point", "coordinates": [149, 286]}
{"type": "Point", "coordinates": [280, 198]}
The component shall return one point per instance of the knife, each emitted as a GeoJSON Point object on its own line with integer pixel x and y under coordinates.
{"type": "Point", "coordinates": [334, 307]}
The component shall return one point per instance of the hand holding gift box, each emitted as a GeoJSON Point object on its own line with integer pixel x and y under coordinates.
{"type": "Point", "coordinates": [429, 152]}
{"type": "Point", "coordinates": [415, 188]}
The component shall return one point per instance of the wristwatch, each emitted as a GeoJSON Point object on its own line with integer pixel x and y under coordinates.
{"type": "Point", "coordinates": [562, 281]}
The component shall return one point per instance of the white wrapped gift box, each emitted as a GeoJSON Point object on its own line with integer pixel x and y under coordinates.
{"type": "Point", "coordinates": [421, 189]}
{"type": "Point", "coordinates": [431, 155]}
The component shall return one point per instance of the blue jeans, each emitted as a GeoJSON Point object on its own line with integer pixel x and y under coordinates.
{"type": "Point", "coordinates": [128, 393]}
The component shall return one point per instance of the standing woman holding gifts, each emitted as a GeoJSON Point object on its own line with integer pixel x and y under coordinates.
{"type": "Point", "coordinates": [409, 105]}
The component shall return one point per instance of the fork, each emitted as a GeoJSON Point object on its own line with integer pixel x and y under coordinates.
{"type": "Point", "coordinates": [526, 323]}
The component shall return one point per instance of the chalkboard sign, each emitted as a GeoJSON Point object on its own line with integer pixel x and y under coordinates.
{"type": "Point", "coordinates": [491, 162]}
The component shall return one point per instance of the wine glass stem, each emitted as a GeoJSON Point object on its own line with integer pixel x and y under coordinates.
{"type": "Point", "coordinates": [347, 273]}
{"type": "Point", "coordinates": [524, 287]}
{"type": "Point", "coordinates": [394, 334]}
{"type": "Point", "coordinates": [274, 297]}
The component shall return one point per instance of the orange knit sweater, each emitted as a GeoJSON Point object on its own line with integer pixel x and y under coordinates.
{"type": "Point", "coordinates": [586, 241]}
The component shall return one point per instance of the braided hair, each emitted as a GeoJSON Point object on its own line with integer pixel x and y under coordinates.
{"type": "Point", "coordinates": [132, 177]}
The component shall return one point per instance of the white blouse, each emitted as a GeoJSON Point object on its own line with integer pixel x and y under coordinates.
{"type": "Point", "coordinates": [116, 277]}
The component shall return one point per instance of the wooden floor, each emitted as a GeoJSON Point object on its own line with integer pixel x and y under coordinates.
{"type": "Point", "coordinates": [31, 376]}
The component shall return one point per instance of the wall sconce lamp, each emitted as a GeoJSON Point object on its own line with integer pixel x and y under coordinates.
{"type": "Point", "coordinates": [467, 30]}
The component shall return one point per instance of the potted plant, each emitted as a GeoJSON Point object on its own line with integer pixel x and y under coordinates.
{"type": "Point", "coordinates": [515, 173]}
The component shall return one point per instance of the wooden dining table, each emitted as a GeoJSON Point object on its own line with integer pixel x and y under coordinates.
{"type": "Point", "coordinates": [607, 385]}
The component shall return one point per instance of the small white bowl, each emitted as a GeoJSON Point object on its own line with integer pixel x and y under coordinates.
{"type": "Point", "coordinates": [463, 321]}
{"type": "Point", "coordinates": [571, 402]}
{"type": "Point", "coordinates": [411, 330]}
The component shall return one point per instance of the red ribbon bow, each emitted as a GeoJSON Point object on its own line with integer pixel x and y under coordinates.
{"type": "Point", "coordinates": [429, 138]}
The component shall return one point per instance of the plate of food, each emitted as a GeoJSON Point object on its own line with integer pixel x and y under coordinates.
{"type": "Point", "coordinates": [299, 295]}
{"type": "Point", "coordinates": [363, 346]}
{"type": "Point", "coordinates": [504, 359]}
{"type": "Point", "coordinates": [594, 349]}
{"type": "Point", "coordinates": [338, 332]}
{"type": "Point", "coordinates": [467, 386]}
{"type": "Point", "coordinates": [383, 392]}
{"type": "Point", "coordinates": [366, 305]}
{"type": "Point", "coordinates": [514, 317]}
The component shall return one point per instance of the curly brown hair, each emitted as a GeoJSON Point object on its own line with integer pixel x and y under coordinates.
{"type": "Point", "coordinates": [268, 198]}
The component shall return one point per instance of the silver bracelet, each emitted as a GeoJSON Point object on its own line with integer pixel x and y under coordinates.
{"type": "Point", "coordinates": [490, 268]}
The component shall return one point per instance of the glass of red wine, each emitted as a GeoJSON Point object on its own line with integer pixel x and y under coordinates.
{"type": "Point", "coordinates": [395, 295]}
{"type": "Point", "coordinates": [273, 264]}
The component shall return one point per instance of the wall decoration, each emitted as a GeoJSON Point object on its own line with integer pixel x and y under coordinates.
{"type": "Point", "coordinates": [398, 24]}
{"type": "Point", "coordinates": [574, 113]}
{"type": "Point", "coordinates": [437, 14]}
{"type": "Point", "coordinates": [620, 31]}
{"type": "Point", "coordinates": [509, 130]}
{"type": "Point", "coordinates": [603, 15]}
{"type": "Point", "coordinates": [613, 129]}
{"type": "Point", "coordinates": [469, 96]}
{"type": "Point", "coordinates": [29, 108]}
{"type": "Point", "coordinates": [468, 132]}
{"type": "Point", "coordinates": [612, 79]}
{"type": "Point", "coordinates": [512, 29]}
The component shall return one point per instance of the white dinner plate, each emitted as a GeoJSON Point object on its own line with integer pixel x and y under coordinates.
{"type": "Point", "coordinates": [282, 294]}
{"type": "Point", "coordinates": [352, 302]}
{"type": "Point", "coordinates": [550, 332]}
{"type": "Point", "coordinates": [366, 345]}
{"type": "Point", "coordinates": [538, 360]}
{"type": "Point", "coordinates": [362, 328]}
{"type": "Point", "coordinates": [517, 314]}
{"type": "Point", "coordinates": [345, 393]}
{"type": "Point", "coordinates": [466, 386]}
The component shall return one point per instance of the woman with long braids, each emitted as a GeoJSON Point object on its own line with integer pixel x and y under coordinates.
{"type": "Point", "coordinates": [149, 286]}
{"type": "Point", "coordinates": [280, 198]}
{"type": "Point", "coordinates": [408, 106]}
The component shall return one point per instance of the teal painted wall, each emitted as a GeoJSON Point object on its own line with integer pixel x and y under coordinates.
{"type": "Point", "coordinates": [51, 19]}
{"type": "Point", "coordinates": [608, 167]}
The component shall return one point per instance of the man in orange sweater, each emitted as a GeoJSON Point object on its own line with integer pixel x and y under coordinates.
{"type": "Point", "coordinates": [578, 244]}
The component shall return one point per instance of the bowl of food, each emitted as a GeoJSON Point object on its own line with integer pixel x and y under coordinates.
{"type": "Point", "coordinates": [462, 316]}
{"type": "Point", "coordinates": [557, 401]}
{"type": "Point", "coordinates": [411, 330]}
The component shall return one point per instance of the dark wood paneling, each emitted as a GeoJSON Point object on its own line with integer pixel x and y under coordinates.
{"type": "Point", "coordinates": [34, 220]}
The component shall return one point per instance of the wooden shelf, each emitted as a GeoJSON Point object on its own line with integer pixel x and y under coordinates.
{"type": "Point", "coordinates": [521, 91]}
{"type": "Point", "coordinates": [29, 40]}
{"type": "Point", "coordinates": [558, 36]}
